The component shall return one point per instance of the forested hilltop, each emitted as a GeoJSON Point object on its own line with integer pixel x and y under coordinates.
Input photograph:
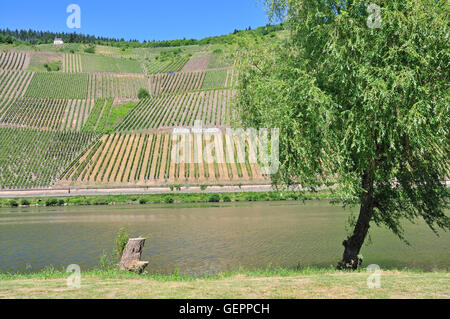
{"type": "Point", "coordinates": [34, 37]}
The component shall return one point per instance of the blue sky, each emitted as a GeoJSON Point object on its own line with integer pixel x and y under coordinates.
{"type": "Point", "coordinates": [137, 19]}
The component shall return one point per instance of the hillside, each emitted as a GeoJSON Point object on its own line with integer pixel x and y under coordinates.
{"type": "Point", "coordinates": [70, 116]}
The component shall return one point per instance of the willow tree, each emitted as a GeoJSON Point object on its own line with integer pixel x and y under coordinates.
{"type": "Point", "coordinates": [360, 94]}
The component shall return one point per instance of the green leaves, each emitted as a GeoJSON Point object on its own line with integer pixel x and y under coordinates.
{"type": "Point", "coordinates": [348, 98]}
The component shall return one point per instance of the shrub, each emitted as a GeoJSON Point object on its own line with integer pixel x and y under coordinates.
{"type": "Point", "coordinates": [13, 203]}
{"type": "Point", "coordinates": [142, 201]}
{"type": "Point", "coordinates": [51, 202]}
{"type": "Point", "coordinates": [25, 202]}
{"type": "Point", "coordinates": [143, 94]}
{"type": "Point", "coordinates": [214, 198]}
{"type": "Point", "coordinates": [61, 202]}
{"type": "Point", "coordinates": [121, 241]}
{"type": "Point", "coordinates": [90, 49]}
{"type": "Point", "coordinates": [226, 198]}
{"type": "Point", "coordinates": [168, 200]}
{"type": "Point", "coordinates": [293, 196]}
{"type": "Point", "coordinates": [99, 201]}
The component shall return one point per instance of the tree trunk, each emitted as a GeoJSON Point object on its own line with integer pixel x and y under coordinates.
{"type": "Point", "coordinates": [131, 256]}
{"type": "Point", "coordinates": [353, 244]}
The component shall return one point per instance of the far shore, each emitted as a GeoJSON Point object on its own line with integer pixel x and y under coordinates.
{"type": "Point", "coordinates": [168, 197]}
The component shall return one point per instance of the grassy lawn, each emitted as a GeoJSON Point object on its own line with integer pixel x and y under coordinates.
{"type": "Point", "coordinates": [275, 284]}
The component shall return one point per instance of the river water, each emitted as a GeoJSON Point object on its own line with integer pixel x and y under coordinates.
{"type": "Point", "coordinates": [200, 239]}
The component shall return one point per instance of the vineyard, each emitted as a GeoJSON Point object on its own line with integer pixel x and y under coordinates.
{"type": "Point", "coordinates": [103, 85]}
{"type": "Point", "coordinates": [58, 86]}
{"type": "Point", "coordinates": [147, 159]}
{"type": "Point", "coordinates": [212, 108]}
{"type": "Point", "coordinates": [156, 67]}
{"type": "Point", "coordinates": [14, 60]}
{"type": "Point", "coordinates": [84, 124]}
{"type": "Point", "coordinates": [179, 82]}
{"type": "Point", "coordinates": [37, 158]}
{"type": "Point", "coordinates": [72, 63]}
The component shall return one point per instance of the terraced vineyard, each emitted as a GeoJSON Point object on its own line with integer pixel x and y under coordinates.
{"type": "Point", "coordinates": [81, 127]}
{"type": "Point", "coordinates": [156, 67]}
{"type": "Point", "coordinates": [38, 113]}
{"type": "Point", "coordinates": [31, 158]}
{"type": "Point", "coordinates": [179, 82]}
{"type": "Point", "coordinates": [58, 86]}
{"type": "Point", "coordinates": [212, 108]}
{"type": "Point", "coordinates": [14, 60]}
{"type": "Point", "coordinates": [13, 85]}
{"type": "Point", "coordinates": [148, 159]}
{"type": "Point", "coordinates": [103, 85]}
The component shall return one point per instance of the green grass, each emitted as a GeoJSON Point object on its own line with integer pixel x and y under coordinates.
{"type": "Point", "coordinates": [264, 283]}
{"type": "Point", "coordinates": [118, 113]}
{"type": "Point", "coordinates": [98, 63]}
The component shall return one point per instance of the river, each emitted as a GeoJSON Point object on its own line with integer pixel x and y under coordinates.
{"type": "Point", "coordinates": [201, 239]}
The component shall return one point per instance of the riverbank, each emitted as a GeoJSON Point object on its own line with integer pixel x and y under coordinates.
{"type": "Point", "coordinates": [135, 190]}
{"type": "Point", "coordinates": [279, 283]}
{"type": "Point", "coordinates": [170, 197]}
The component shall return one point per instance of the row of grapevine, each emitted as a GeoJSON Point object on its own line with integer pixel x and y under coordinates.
{"type": "Point", "coordinates": [102, 85]}
{"type": "Point", "coordinates": [58, 86]}
{"type": "Point", "coordinates": [76, 114]}
{"type": "Point", "coordinates": [149, 159]}
{"type": "Point", "coordinates": [14, 60]}
{"type": "Point", "coordinates": [174, 65]}
{"type": "Point", "coordinates": [212, 108]}
{"type": "Point", "coordinates": [14, 83]}
{"type": "Point", "coordinates": [232, 78]}
{"type": "Point", "coordinates": [178, 82]}
{"type": "Point", "coordinates": [31, 158]}
{"type": "Point", "coordinates": [72, 63]}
